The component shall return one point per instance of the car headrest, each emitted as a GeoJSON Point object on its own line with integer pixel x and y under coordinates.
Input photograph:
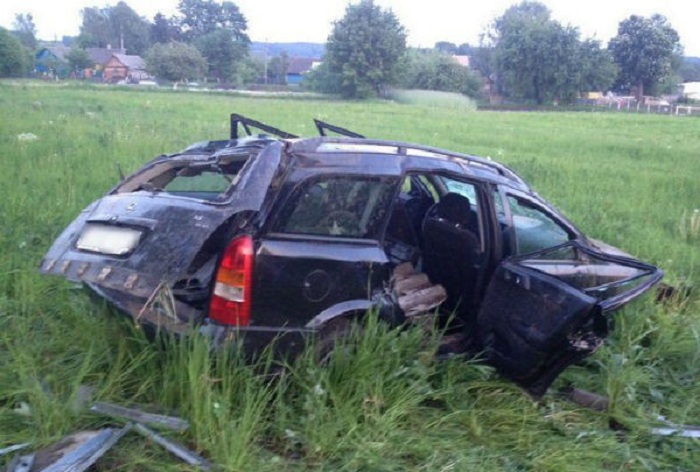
{"type": "Point", "coordinates": [455, 208]}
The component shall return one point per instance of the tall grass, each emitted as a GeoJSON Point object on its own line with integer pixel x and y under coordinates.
{"type": "Point", "coordinates": [629, 180]}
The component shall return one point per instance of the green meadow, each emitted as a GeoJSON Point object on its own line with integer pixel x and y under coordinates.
{"type": "Point", "coordinates": [630, 180]}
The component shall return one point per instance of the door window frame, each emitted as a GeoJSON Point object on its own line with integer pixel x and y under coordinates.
{"type": "Point", "coordinates": [559, 220]}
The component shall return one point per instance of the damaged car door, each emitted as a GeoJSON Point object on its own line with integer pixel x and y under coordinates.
{"type": "Point", "coordinates": [545, 309]}
{"type": "Point", "coordinates": [322, 248]}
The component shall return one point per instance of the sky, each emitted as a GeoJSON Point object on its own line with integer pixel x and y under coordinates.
{"type": "Point", "coordinates": [426, 21]}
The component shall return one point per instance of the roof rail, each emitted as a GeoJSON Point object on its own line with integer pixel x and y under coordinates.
{"type": "Point", "coordinates": [247, 123]}
{"type": "Point", "coordinates": [403, 148]}
{"type": "Point", "coordinates": [322, 126]}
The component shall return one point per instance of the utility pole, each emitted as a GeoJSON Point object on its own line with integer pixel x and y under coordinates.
{"type": "Point", "coordinates": [266, 46]}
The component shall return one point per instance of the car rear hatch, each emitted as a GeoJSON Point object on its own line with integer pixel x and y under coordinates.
{"type": "Point", "coordinates": [156, 228]}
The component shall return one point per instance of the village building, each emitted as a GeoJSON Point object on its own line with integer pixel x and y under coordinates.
{"type": "Point", "coordinates": [120, 67]}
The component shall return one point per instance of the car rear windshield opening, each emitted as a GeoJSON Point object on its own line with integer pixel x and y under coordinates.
{"type": "Point", "coordinates": [211, 180]}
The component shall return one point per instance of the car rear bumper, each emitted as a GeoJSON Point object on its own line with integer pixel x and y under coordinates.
{"type": "Point", "coordinates": [252, 340]}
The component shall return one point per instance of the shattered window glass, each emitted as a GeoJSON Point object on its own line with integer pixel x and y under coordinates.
{"type": "Point", "coordinates": [534, 229]}
{"type": "Point", "coordinates": [210, 180]}
{"type": "Point", "coordinates": [597, 276]}
{"type": "Point", "coordinates": [353, 207]}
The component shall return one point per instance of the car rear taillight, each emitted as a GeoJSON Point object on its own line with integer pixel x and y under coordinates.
{"type": "Point", "coordinates": [231, 300]}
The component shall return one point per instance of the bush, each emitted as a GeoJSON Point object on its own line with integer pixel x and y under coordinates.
{"type": "Point", "coordinates": [434, 70]}
{"type": "Point", "coordinates": [175, 61]}
{"type": "Point", "coordinates": [15, 59]}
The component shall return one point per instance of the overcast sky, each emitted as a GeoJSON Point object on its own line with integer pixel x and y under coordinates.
{"type": "Point", "coordinates": [426, 21]}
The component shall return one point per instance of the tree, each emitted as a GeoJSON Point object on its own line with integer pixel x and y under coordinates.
{"type": "Point", "coordinates": [25, 30]}
{"type": "Point", "coordinates": [114, 26]}
{"type": "Point", "coordinates": [78, 59]}
{"type": "Point", "coordinates": [221, 52]}
{"type": "Point", "coordinates": [175, 61]}
{"type": "Point", "coordinates": [218, 31]}
{"type": "Point", "coordinates": [321, 79]}
{"type": "Point", "coordinates": [164, 30]}
{"type": "Point", "coordinates": [247, 71]}
{"type": "Point", "coordinates": [14, 60]}
{"type": "Point", "coordinates": [537, 58]}
{"type": "Point", "coordinates": [277, 69]}
{"type": "Point", "coordinates": [598, 69]}
{"type": "Point", "coordinates": [689, 70]}
{"type": "Point", "coordinates": [433, 70]}
{"type": "Point", "coordinates": [364, 49]}
{"type": "Point", "coordinates": [644, 50]}
{"type": "Point", "coordinates": [446, 47]}
{"type": "Point", "coordinates": [201, 17]}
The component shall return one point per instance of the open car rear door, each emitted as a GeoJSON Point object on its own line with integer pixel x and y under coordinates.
{"type": "Point", "coordinates": [546, 310]}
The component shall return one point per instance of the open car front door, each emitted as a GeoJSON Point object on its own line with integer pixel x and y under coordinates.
{"type": "Point", "coordinates": [545, 310]}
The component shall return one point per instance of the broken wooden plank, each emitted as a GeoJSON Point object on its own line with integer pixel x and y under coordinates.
{"type": "Point", "coordinates": [16, 447]}
{"type": "Point", "coordinates": [138, 416]}
{"type": "Point", "coordinates": [86, 454]}
{"type": "Point", "coordinates": [178, 450]}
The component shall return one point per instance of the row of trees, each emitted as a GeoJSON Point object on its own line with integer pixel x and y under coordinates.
{"type": "Point", "coordinates": [526, 53]}
{"type": "Point", "coordinates": [205, 38]}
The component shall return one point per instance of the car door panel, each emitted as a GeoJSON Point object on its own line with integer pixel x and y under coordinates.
{"type": "Point", "coordinates": [539, 314]}
{"type": "Point", "coordinates": [296, 280]}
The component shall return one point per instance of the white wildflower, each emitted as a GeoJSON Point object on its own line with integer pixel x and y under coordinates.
{"type": "Point", "coordinates": [318, 390]}
{"type": "Point", "coordinates": [27, 137]}
{"type": "Point", "coordinates": [290, 434]}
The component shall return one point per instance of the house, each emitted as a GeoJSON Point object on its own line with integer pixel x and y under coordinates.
{"type": "Point", "coordinates": [690, 90]}
{"type": "Point", "coordinates": [100, 56]}
{"type": "Point", "coordinates": [297, 67]}
{"type": "Point", "coordinates": [50, 62]}
{"type": "Point", "coordinates": [125, 67]}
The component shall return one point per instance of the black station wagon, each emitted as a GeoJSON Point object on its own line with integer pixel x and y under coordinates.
{"type": "Point", "coordinates": [270, 237]}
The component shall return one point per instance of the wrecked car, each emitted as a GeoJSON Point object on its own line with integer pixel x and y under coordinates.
{"type": "Point", "coordinates": [264, 237]}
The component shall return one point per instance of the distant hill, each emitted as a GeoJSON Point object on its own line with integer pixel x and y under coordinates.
{"type": "Point", "coordinates": [313, 50]}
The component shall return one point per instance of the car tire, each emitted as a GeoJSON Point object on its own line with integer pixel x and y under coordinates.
{"type": "Point", "coordinates": [335, 333]}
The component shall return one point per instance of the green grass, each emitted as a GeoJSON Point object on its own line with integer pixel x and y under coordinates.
{"type": "Point", "coordinates": [631, 180]}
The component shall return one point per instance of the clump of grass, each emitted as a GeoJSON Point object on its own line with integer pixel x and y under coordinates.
{"type": "Point", "coordinates": [433, 99]}
{"type": "Point", "coordinates": [689, 226]}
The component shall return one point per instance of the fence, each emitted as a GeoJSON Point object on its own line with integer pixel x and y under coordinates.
{"type": "Point", "coordinates": [650, 106]}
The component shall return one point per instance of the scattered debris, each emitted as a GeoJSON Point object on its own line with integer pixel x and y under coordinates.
{"type": "Point", "coordinates": [21, 464]}
{"type": "Point", "coordinates": [666, 292]}
{"type": "Point", "coordinates": [168, 422]}
{"type": "Point", "coordinates": [79, 451]}
{"type": "Point", "coordinates": [14, 448]}
{"type": "Point", "coordinates": [186, 455]}
{"type": "Point", "coordinates": [27, 137]}
{"type": "Point", "coordinates": [83, 449]}
{"type": "Point", "coordinates": [682, 431]}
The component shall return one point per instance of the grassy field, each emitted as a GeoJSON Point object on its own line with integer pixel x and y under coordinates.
{"type": "Point", "coordinates": [632, 181]}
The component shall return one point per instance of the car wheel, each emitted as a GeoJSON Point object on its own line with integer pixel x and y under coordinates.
{"type": "Point", "coordinates": [333, 335]}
